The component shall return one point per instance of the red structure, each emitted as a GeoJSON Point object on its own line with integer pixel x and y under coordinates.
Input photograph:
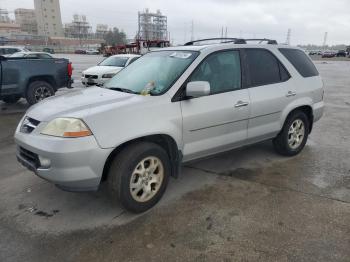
{"type": "Point", "coordinates": [138, 47]}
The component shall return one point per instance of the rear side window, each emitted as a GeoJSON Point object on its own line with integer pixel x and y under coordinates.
{"type": "Point", "coordinates": [264, 68]}
{"type": "Point", "coordinates": [43, 56]}
{"type": "Point", "coordinates": [300, 61]}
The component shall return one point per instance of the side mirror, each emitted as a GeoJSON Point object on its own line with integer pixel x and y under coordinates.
{"type": "Point", "coordinates": [197, 89]}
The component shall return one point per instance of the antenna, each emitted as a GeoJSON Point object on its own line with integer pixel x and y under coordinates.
{"type": "Point", "coordinates": [289, 32]}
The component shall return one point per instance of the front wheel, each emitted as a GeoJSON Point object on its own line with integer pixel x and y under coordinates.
{"type": "Point", "coordinates": [139, 175]}
{"type": "Point", "coordinates": [293, 136]}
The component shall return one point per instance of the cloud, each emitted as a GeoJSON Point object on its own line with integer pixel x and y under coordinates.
{"type": "Point", "coordinates": [248, 18]}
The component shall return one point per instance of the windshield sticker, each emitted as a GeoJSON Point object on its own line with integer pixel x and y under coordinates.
{"type": "Point", "coordinates": [183, 55]}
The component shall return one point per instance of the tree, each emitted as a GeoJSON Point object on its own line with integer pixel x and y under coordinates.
{"type": "Point", "coordinates": [115, 37]}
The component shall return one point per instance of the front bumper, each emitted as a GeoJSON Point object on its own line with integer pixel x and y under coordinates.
{"type": "Point", "coordinates": [93, 81]}
{"type": "Point", "coordinates": [318, 109]}
{"type": "Point", "coordinates": [76, 164]}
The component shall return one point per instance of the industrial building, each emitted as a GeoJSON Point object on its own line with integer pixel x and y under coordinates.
{"type": "Point", "coordinates": [152, 26]}
{"type": "Point", "coordinates": [101, 31]}
{"type": "Point", "coordinates": [27, 20]}
{"type": "Point", "coordinates": [7, 26]}
{"type": "Point", "coordinates": [79, 28]}
{"type": "Point", "coordinates": [48, 16]}
{"type": "Point", "coordinates": [4, 16]}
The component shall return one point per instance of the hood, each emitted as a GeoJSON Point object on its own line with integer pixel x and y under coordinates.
{"type": "Point", "coordinates": [99, 70]}
{"type": "Point", "coordinates": [78, 103]}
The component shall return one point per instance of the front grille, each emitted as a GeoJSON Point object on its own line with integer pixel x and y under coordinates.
{"type": "Point", "coordinates": [29, 156]}
{"type": "Point", "coordinates": [28, 125]}
{"type": "Point", "coordinates": [91, 76]}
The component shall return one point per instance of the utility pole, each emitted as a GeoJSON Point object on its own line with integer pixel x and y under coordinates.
{"type": "Point", "coordinates": [192, 36]}
{"type": "Point", "coordinates": [226, 32]}
{"type": "Point", "coordinates": [325, 40]}
{"type": "Point", "coordinates": [289, 32]}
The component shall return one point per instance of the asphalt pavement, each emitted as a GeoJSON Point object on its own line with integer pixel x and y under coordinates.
{"type": "Point", "coordinates": [248, 204]}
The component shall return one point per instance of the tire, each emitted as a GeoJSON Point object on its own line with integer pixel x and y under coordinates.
{"type": "Point", "coordinates": [11, 99]}
{"type": "Point", "coordinates": [39, 90]}
{"type": "Point", "coordinates": [127, 182]}
{"type": "Point", "coordinates": [289, 142]}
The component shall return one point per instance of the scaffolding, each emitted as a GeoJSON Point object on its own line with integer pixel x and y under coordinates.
{"type": "Point", "coordinates": [152, 26]}
{"type": "Point", "coordinates": [78, 28]}
{"type": "Point", "coordinates": [4, 16]}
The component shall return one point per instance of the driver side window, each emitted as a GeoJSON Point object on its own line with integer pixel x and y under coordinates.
{"type": "Point", "coordinates": [222, 70]}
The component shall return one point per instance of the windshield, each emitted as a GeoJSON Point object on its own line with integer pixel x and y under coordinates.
{"type": "Point", "coordinates": [153, 73]}
{"type": "Point", "coordinates": [114, 61]}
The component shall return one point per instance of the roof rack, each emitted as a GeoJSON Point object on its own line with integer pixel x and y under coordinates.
{"type": "Point", "coordinates": [269, 41]}
{"type": "Point", "coordinates": [233, 40]}
{"type": "Point", "coordinates": [222, 39]}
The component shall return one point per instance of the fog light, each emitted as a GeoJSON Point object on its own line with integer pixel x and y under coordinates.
{"type": "Point", "coordinates": [44, 162]}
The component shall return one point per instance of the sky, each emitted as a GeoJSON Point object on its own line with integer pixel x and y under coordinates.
{"type": "Point", "coordinates": [307, 19]}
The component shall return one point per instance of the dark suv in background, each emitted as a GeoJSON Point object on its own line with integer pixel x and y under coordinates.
{"type": "Point", "coordinates": [341, 53]}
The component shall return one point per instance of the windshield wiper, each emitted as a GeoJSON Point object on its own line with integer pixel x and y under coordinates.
{"type": "Point", "coordinates": [125, 90]}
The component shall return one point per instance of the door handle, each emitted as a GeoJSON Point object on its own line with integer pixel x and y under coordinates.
{"type": "Point", "coordinates": [290, 93]}
{"type": "Point", "coordinates": [241, 103]}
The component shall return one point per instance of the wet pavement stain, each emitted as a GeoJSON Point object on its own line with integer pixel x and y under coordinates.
{"type": "Point", "coordinates": [46, 214]}
{"type": "Point", "coordinates": [242, 173]}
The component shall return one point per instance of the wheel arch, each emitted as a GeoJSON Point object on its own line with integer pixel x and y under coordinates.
{"type": "Point", "coordinates": [45, 78]}
{"type": "Point", "coordinates": [307, 109]}
{"type": "Point", "coordinates": [167, 142]}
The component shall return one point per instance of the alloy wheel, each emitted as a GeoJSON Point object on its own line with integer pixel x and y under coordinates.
{"type": "Point", "coordinates": [41, 93]}
{"type": "Point", "coordinates": [296, 134]}
{"type": "Point", "coordinates": [146, 179]}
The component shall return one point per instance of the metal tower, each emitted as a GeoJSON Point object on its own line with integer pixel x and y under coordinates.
{"type": "Point", "coordinates": [152, 26]}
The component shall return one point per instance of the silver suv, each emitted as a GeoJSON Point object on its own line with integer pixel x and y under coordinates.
{"type": "Point", "coordinates": [171, 106]}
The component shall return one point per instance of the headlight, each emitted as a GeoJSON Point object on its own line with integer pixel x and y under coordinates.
{"type": "Point", "coordinates": [66, 127]}
{"type": "Point", "coordinates": [108, 75]}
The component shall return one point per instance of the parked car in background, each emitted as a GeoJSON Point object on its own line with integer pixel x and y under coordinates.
{"type": "Point", "coordinates": [48, 50]}
{"type": "Point", "coordinates": [312, 52]}
{"type": "Point", "coordinates": [104, 71]}
{"type": "Point", "coordinates": [92, 52]}
{"type": "Point", "coordinates": [341, 53]}
{"type": "Point", "coordinates": [40, 55]}
{"type": "Point", "coordinates": [169, 107]}
{"type": "Point", "coordinates": [9, 50]}
{"type": "Point", "coordinates": [34, 79]}
{"type": "Point", "coordinates": [80, 51]}
{"type": "Point", "coordinates": [328, 54]}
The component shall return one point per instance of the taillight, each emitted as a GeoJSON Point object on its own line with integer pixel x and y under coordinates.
{"type": "Point", "coordinates": [70, 69]}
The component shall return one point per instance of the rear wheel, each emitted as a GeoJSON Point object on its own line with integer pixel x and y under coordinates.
{"type": "Point", "coordinates": [39, 90]}
{"type": "Point", "coordinates": [11, 99]}
{"type": "Point", "coordinates": [139, 175]}
{"type": "Point", "coordinates": [292, 139]}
